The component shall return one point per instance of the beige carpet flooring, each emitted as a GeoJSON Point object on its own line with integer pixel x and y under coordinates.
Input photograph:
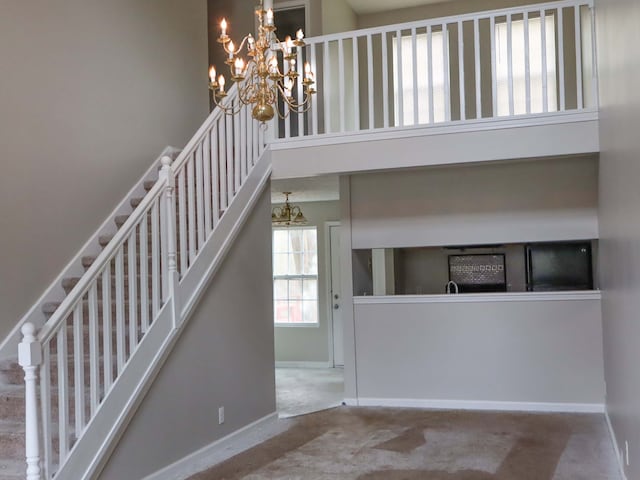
{"type": "Point", "coordinates": [411, 444]}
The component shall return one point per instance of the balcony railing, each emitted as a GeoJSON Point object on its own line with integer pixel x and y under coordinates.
{"type": "Point", "coordinates": [527, 61]}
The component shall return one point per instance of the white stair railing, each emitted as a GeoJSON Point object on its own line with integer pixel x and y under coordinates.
{"type": "Point", "coordinates": [84, 348]}
{"type": "Point", "coordinates": [475, 67]}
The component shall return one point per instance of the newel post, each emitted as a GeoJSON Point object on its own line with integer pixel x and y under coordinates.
{"type": "Point", "coordinates": [170, 277]}
{"type": "Point", "coordinates": [29, 358]}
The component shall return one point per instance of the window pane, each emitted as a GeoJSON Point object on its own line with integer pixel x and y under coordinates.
{"type": "Point", "coordinates": [280, 241]}
{"type": "Point", "coordinates": [295, 238]}
{"type": "Point", "coordinates": [280, 264]}
{"type": "Point", "coordinates": [310, 240]}
{"type": "Point", "coordinates": [310, 290]}
{"type": "Point", "coordinates": [310, 311]}
{"type": "Point", "coordinates": [295, 312]}
{"type": "Point", "coordinates": [295, 289]}
{"type": "Point", "coordinates": [280, 289]}
{"type": "Point", "coordinates": [295, 263]}
{"type": "Point", "coordinates": [311, 263]}
{"type": "Point", "coordinates": [281, 311]}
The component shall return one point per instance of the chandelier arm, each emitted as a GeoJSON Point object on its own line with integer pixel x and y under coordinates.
{"type": "Point", "coordinates": [238, 50]}
{"type": "Point", "coordinates": [228, 110]}
{"type": "Point", "coordinates": [292, 104]}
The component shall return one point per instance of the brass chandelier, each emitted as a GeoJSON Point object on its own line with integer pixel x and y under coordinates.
{"type": "Point", "coordinates": [287, 215]}
{"type": "Point", "coordinates": [261, 80]}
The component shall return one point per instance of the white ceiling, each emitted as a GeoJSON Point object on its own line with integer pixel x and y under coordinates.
{"type": "Point", "coordinates": [311, 189]}
{"type": "Point", "coordinates": [373, 6]}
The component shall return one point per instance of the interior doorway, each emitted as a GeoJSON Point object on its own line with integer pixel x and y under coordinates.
{"type": "Point", "coordinates": [306, 275]}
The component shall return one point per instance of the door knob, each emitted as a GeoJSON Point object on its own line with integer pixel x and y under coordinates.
{"type": "Point", "coordinates": [336, 306]}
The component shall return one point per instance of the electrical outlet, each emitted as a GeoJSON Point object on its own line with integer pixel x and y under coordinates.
{"type": "Point", "coordinates": [220, 415]}
{"type": "Point", "coordinates": [626, 452]}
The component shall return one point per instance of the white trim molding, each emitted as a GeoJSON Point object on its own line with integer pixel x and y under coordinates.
{"type": "Point", "coordinates": [480, 297]}
{"type": "Point", "coordinates": [222, 449]}
{"type": "Point", "coordinates": [288, 364]}
{"type": "Point", "coordinates": [616, 449]}
{"type": "Point", "coordinates": [481, 405]}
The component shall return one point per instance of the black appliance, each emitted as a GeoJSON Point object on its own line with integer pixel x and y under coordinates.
{"type": "Point", "coordinates": [559, 266]}
{"type": "Point", "coordinates": [482, 272]}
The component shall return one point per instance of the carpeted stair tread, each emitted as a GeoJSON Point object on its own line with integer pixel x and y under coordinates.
{"type": "Point", "coordinates": [11, 469]}
{"type": "Point", "coordinates": [12, 438]}
{"type": "Point", "coordinates": [11, 402]}
{"type": "Point", "coordinates": [69, 283]}
{"type": "Point", "coordinates": [49, 308]}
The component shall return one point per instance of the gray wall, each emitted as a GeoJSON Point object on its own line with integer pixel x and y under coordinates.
{"type": "Point", "coordinates": [619, 68]}
{"type": "Point", "coordinates": [507, 202]}
{"type": "Point", "coordinates": [91, 93]}
{"type": "Point", "coordinates": [523, 351]}
{"type": "Point", "coordinates": [311, 344]}
{"type": "Point", "coordinates": [223, 358]}
{"type": "Point", "coordinates": [337, 16]}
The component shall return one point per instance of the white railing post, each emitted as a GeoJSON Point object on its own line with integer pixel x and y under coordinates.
{"type": "Point", "coordinates": [168, 239]}
{"type": "Point", "coordinates": [29, 358]}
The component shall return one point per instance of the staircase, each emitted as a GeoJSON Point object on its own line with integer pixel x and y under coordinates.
{"type": "Point", "coordinates": [104, 342]}
{"type": "Point", "coordinates": [12, 397]}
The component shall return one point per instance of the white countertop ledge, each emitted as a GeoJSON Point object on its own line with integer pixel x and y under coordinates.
{"type": "Point", "coordinates": [480, 297]}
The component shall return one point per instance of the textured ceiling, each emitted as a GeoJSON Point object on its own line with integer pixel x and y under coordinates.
{"type": "Point", "coordinates": [372, 6]}
{"type": "Point", "coordinates": [311, 189]}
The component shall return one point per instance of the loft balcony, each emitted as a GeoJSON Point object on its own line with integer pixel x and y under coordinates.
{"type": "Point", "coordinates": [494, 85]}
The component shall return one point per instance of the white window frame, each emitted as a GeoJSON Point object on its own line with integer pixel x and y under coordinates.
{"type": "Point", "coordinates": [303, 277]}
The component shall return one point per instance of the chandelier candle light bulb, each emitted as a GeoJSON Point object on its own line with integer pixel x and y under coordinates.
{"type": "Point", "coordinates": [223, 31]}
{"type": "Point", "coordinates": [239, 68]}
{"type": "Point", "coordinates": [212, 75]}
{"type": "Point", "coordinates": [259, 80]}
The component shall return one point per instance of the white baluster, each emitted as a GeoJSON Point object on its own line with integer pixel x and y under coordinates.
{"type": "Point", "coordinates": [29, 357]}
{"type": "Point", "coordinates": [168, 221]}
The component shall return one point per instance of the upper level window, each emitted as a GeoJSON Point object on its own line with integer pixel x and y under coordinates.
{"type": "Point", "coordinates": [518, 55]}
{"type": "Point", "coordinates": [295, 276]}
{"type": "Point", "coordinates": [438, 66]}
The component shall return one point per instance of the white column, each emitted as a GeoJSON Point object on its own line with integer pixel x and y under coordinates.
{"type": "Point", "coordinates": [383, 271]}
{"type": "Point", "coordinates": [29, 357]}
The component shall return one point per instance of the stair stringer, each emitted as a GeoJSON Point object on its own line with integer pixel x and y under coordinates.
{"type": "Point", "coordinates": [91, 452]}
{"type": "Point", "coordinates": [55, 292]}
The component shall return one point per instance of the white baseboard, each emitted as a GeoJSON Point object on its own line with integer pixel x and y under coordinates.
{"type": "Point", "coordinates": [303, 364]}
{"type": "Point", "coordinates": [614, 441]}
{"type": "Point", "coordinates": [220, 450]}
{"type": "Point", "coordinates": [351, 402]}
{"type": "Point", "coordinates": [481, 405]}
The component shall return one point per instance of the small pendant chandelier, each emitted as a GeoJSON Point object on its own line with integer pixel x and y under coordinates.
{"type": "Point", "coordinates": [262, 79]}
{"type": "Point", "coordinates": [287, 215]}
